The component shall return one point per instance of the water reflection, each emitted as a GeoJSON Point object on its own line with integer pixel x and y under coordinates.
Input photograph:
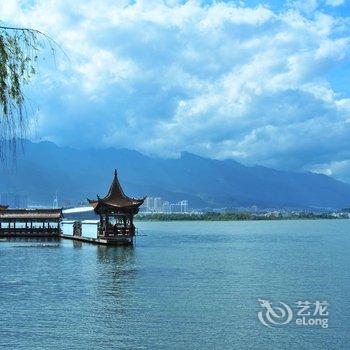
{"type": "Point", "coordinates": [122, 254]}
{"type": "Point", "coordinates": [38, 240]}
{"type": "Point", "coordinates": [119, 262]}
{"type": "Point", "coordinates": [77, 244]}
{"type": "Point", "coordinates": [119, 269]}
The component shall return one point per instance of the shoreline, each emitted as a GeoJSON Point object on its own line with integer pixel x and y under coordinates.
{"type": "Point", "coordinates": [237, 217]}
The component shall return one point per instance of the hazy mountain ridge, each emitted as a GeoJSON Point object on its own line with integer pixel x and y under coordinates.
{"type": "Point", "coordinates": [45, 168]}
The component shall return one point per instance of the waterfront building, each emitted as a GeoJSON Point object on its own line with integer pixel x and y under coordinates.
{"type": "Point", "coordinates": [30, 222]}
{"type": "Point", "coordinates": [116, 212]}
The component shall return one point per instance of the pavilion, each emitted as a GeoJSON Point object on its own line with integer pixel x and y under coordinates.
{"type": "Point", "coordinates": [116, 211]}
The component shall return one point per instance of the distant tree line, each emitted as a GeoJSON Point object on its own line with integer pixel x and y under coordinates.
{"type": "Point", "coordinates": [214, 216]}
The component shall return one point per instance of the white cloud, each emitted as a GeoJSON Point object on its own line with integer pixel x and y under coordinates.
{"type": "Point", "coordinates": [339, 169]}
{"type": "Point", "coordinates": [222, 80]}
{"type": "Point", "coordinates": [8, 8]}
{"type": "Point", "coordinates": [335, 2]}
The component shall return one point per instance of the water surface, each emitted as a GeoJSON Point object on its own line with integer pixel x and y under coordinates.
{"type": "Point", "coordinates": [185, 285]}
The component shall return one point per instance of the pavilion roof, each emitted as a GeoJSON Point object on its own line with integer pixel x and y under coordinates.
{"type": "Point", "coordinates": [31, 214]}
{"type": "Point", "coordinates": [116, 198]}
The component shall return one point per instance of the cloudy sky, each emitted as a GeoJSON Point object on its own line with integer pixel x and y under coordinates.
{"type": "Point", "coordinates": [263, 82]}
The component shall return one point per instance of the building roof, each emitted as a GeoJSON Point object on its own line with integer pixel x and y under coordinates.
{"type": "Point", "coordinates": [3, 207]}
{"type": "Point", "coordinates": [30, 214]}
{"type": "Point", "coordinates": [116, 198]}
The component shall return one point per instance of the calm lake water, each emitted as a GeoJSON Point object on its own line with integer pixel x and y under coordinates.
{"type": "Point", "coordinates": [185, 285]}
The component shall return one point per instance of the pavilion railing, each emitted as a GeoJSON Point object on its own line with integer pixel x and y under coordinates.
{"type": "Point", "coordinates": [115, 231]}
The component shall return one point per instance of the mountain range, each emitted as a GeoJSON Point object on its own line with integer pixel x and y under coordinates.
{"type": "Point", "coordinates": [44, 168]}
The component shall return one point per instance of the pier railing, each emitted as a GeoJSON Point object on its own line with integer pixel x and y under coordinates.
{"type": "Point", "coordinates": [32, 232]}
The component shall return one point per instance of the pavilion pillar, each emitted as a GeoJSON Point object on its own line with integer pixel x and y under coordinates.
{"type": "Point", "coordinates": [100, 229]}
{"type": "Point", "coordinates": [106, 225]}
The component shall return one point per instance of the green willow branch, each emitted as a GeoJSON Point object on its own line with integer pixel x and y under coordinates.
{"type": "Point", "coordinates": [19, 49]}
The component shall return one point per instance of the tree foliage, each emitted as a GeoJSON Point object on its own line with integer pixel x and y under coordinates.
{"type": "Point", "coordinates": [19, 49]}
{"type": "Point", "coordinates": [236, 216]}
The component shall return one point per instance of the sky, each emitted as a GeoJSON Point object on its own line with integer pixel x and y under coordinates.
{"type": "Point", "coordinates": [261, 82]}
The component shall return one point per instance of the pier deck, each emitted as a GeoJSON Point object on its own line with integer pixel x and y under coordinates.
{"type": "Point", "coordinates": [128, 240]}
{"type": "Point", "coordinates": [120, 240]}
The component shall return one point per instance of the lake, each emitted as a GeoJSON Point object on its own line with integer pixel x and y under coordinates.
{"type": "Point", "coordinates": [184, 285]}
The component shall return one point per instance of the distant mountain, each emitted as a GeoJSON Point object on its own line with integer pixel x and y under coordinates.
{"type": "Point", "coordinates": [45, 168]}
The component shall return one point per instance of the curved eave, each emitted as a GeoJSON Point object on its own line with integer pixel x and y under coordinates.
{"type": "Point", "coordinates": [131, 203]}
{"type": "Point", "coordinates": [93, 202]}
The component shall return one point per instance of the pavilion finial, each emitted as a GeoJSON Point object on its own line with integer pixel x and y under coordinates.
{"type": "Point", "coordinates": [115, 172]}
{"type": "Point", "coordinates": [98, 197]}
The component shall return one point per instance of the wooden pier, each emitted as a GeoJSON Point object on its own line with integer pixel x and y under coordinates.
{"type": "Point", "coordinates": [123, 240]}
{"type": "Point", "coordinates": [115, 226]}
{"type": "Point", "coordinates": [30, 223]}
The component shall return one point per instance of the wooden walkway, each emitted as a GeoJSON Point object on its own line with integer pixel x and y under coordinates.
{"type": "Point", "coordinates": [119, 240]}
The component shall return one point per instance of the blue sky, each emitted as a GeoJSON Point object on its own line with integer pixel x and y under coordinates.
{"type": "Point", "coordinates": [256, 81]}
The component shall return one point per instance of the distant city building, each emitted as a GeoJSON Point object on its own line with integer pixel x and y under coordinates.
{"type": "Point", "coordinates": [14, 200]}
{"type": "Point", "coordinates": [254, 208]}
{"type": "Point", "coordinates": [149, 204]}
{"type": "Point", "coordinates": [158, 204]}
{"type": "Point", "coordinates": [184, 206]}
{"type": "Point", "coordinates": [166, 207]}
{"type": "Point", "coordinates": [175, 207]}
